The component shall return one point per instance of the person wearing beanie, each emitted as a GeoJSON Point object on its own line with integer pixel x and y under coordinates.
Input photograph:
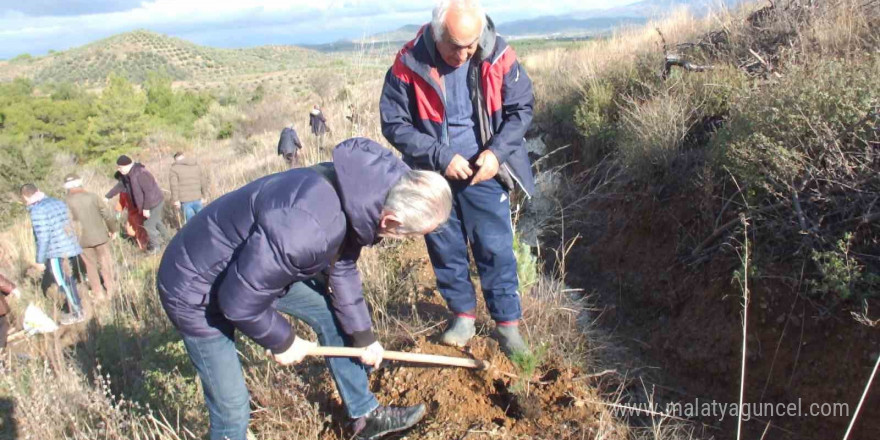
{"type": "Point", "coordinates": [95, 226]}
{"type": "Point", "coordinates": [55, 245]}
{"type": "Point", "coordinates": [188, 186]}
{"type": "Point", "coordinates": [134, 221]}
{"type": "Point", "coordinates": [147, 197]}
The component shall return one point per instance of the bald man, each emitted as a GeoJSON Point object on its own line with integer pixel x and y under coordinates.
{"type": "Point", "coordinates": [458, 102]}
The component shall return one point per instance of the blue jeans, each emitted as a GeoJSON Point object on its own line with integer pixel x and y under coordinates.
{"type": "Point", "coordinates": [219, 368]}
{"type": "Point", "coordinates": [480, 216]}
{"type": "Point", "coordinates": [190, 209]}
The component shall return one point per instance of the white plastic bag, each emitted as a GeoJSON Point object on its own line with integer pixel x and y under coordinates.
{"type": "Point", "coordinates": [36, 321]}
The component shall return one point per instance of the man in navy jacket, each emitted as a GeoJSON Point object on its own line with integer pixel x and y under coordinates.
{"type": "Point", "coordinates": [259, 250]}
{"type": "Point", "coordinates": [457, 101]}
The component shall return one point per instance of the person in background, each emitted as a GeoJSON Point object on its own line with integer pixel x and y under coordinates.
{"type": "Point", "coordinates": [354, 118]}
{"type": "Point", "coordinates": [96, 226]}
{"type": "Point", "coordinates": [258, 251]}
{"type": "Point", "coordinates": [56, 244]}
{"type": "Point", "coordinates": [7, 288]}
{"type": "Point", "coordinates": [317, 122]}
{"type": "Point", "coordinates": [188, 186]}
{"type": "Point", "coordinates": [457, 101]}
{"type": "Point", "coordinates": [289, 146]}
{"type": "Point", "coordinates": [147, 197]}
{"type": "Point", "coordinates": [134, 221]}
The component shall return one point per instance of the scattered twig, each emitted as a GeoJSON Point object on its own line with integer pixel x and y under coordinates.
{"type": "Point", "coordinates": [595, 375]}
{"type": "Point", "coordinates": [761, 60]}
{"type": "Point", "coordinates": [862, 318]}
{"type": "Point", "coordinates": [724, 207]}
{"type": "Point", "coordinates": [550, 154]}
{"type": "Point", "coordinates": [723, 228]}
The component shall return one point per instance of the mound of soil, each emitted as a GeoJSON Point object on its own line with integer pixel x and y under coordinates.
{"type": "Point", "coordinates": [490, 403]}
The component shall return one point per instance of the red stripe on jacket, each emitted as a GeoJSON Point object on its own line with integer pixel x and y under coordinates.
{"type": "Point", "coordinates": [493, 79]}
{"type": "Point", "coordinates": [428, 102]}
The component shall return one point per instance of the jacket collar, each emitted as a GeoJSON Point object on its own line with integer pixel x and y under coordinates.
{"type": "Point", "coordinates": [38, 197]}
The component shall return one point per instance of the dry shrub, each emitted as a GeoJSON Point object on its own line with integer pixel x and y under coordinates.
{"type": "Point", "coordinates": [654, 130]}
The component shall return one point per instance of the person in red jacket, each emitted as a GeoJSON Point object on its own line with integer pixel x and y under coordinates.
{"type": "Point", "coordinates": [147, 197]}
{"type": "Point", "coordinates": [457, 101]}
{"type": "Point", "coordinates": [134, 226]}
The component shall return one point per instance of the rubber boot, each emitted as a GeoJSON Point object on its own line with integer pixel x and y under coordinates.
{"type": "Point", "coordinates": [460, 331]}
{"type": "Point", "coordinates": [510, 339]}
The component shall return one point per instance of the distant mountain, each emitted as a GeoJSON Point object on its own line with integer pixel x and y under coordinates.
{"type": "Point", "coordinates": [134, 54]}
{"type": "Point", "coordinates": [403, 33]}
{"type": "Point", "coordinates": [565, 26]}
{"type": "Point", "coordinates": [582, 23]}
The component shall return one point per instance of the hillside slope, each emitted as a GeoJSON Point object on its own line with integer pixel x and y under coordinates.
{"type": "Point", "coordinates": [136, 53]}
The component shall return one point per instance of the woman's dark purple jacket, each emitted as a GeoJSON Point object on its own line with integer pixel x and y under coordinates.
{"type": "Point", "coordinates": [227, 266]}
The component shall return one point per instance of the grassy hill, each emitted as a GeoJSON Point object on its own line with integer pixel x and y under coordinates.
{"type": "Point", "coordinates": [134, 54]}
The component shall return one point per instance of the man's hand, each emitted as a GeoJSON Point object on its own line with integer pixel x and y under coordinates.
{"type": "Point", "coordinates": [373, 354]}
{"type": "Point", "coordinates": [40, 266]}
{"type": "Point", "coordinates": [146, 213]}
{"type": "Point", "coordinates": [177, 205]}
{"type": "Point", "coordinates": [295, 354]}
{"type": "Point", "coordinates": [487, 167]}
{"type": "Point", "coordinates": [458, 168]}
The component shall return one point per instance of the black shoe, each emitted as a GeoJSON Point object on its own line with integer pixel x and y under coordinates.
{"type": "Point", "coordinates": [387, 419]}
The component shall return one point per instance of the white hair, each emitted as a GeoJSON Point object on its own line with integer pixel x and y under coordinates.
{"type": "Point", "coordinates": [420, 200]}
{"type": "Point", "coordinates": [438, 20]}
{"type": "Point", "coordinates": [71, 184]}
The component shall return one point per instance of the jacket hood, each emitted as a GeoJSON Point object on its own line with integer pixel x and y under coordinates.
{"type": "Point", "coordinates": [485, 48]}
{"type": "Point", "coordinates": [365, 172]}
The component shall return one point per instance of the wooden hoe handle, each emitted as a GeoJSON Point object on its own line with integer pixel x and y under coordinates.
{"type": "Point", "coordinates": [418, 358]}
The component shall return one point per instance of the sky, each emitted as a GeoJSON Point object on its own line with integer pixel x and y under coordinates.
{"type": "Point", "coordinates": [37, 26]}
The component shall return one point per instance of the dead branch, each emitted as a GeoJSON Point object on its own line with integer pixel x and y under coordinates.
{"type": "Point", "coordinates": [860, 220]}
{"type": "Point", "coordinates": [675, 60]}
{"type": "Point", "coordinates": [721, 229]}
{"type": "Point", "coordinates": [766, 64]}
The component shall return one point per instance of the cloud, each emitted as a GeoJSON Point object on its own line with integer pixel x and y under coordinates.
{"type": "Point", "coordinates": [38, 8]}
{"type": "Point", "coordinates": [35, 26]}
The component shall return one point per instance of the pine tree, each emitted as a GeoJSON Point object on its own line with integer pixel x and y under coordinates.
{"type": "Point", "coordinates": [119, 123]}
